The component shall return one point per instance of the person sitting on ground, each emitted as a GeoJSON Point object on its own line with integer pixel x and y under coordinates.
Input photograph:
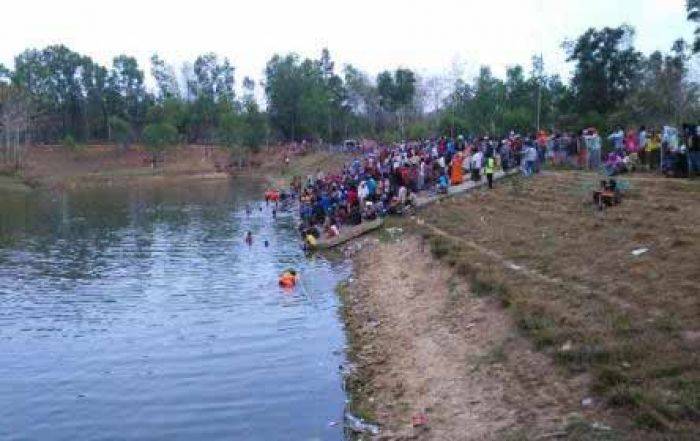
{"type": "Point", "coordinates": [614, 164]}
{"type": "Point", "coordinates": [370, 212]}
{"type": "Point", "coordinates": [332, 229]}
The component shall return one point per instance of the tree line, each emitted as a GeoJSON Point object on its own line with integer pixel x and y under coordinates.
{"type": "Point", "coordinates": [55, 95]}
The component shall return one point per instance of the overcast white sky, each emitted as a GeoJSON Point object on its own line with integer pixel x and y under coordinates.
{"type": "Point", "coordinates": [426, 35]}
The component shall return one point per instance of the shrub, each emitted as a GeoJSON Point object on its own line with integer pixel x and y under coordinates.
{"type": "Point", "coordinates": [159, 136]}
{"type": "Point", "coordinates": [120, 131]}
{"type": "Point", "coordinates": [69, 142]}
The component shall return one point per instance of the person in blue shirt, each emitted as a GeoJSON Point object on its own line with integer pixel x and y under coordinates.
{"type": "Point", "coordinates": [442, 183]}
{"type": "Point", "coordinates": [325, 203]}
{"type": "Point", "coordinates": [618, 138]}
{"type": "Point", "coordinates": [371, 187]}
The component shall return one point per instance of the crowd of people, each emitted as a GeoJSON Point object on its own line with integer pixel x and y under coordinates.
{"type": "Point", "coordinates": [384, 180]}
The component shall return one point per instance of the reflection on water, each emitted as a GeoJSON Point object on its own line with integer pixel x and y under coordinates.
{"type": "Point", "coordinates": [139, 313]}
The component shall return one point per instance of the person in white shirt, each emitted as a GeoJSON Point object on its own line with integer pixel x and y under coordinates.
{"type": "Point", "coordinates": [477, 163]}
{"type": "Point", "coordinates": [530, 156]}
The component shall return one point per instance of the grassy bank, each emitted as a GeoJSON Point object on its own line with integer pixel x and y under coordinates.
{"type": "Point", "coordinates": [13, 183]}
{"type": "Point", "coordinates": [532, 318]}
{"type": "Point", "coordinates": [567, 275]}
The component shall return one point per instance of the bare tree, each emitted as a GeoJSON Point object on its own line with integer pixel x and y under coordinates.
{"type": "Point", "coordinates": [14, 125]}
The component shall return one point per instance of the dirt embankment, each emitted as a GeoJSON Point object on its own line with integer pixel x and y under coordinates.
{"type": "Point", "coordinates": [523, 313]}
{"type": "Point", "coordinates": [423, 343]}
{"type": "Point", "coordinates": [58, 166]}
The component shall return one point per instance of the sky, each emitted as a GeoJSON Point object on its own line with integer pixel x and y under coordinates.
{"type": "Point", "coordinates": [432, 37]}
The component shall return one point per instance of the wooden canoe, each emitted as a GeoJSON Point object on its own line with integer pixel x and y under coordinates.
{"type": "Point", "coordinates": [349, 233]}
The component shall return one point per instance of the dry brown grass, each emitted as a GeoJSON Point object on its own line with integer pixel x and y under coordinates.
{"type": "Point", "coordinates": [632, 322]}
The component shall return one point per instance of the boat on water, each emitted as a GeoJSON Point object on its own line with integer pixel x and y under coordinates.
{"type": "Point", "coordinates": [348, 233]}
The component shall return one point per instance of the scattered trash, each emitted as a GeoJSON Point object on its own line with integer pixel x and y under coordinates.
{"type": "Point", "coordinates": [394, 231]}
{"type": "Point", "coordinates": [358, 425]}
{"type": "Point", "coordinates": [567, 346]}
{"type": "Point", "coordinates": [626, 365]}
{"type": "Point", "coordinates": [587, 402]}
{"type": "Point", "coordinates": [691, 339]}
{"type": "Point", "coordinates": [639, 251]}
{"type": "Point", "coordinates": [347, 369]}
{"type": "Point", "coordinates": [373, 323]}
{"type": "Point", "coordinates": [600, 426]}
{"type": "Point", "coordinates": [332, 423]}
{"type": "Point", "coordinates": [419, 420]}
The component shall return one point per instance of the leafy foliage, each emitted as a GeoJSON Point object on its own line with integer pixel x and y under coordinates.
{"type": "Point", "coordinates": [693, 8]}
{"type": "Point", "coordinates": [69, 94]}
{"type": "Point", "coordinates": [121, 131]}
{"type": "Point", "coordinates": [607, 68]}
{"type": "Point", "coordinates": [159, 136]}
{"type": "Point", "coordinates": [305, 97]}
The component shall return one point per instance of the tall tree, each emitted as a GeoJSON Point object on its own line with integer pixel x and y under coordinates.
{"type": "Point", "coordinates": [396, 92]}
{"type": "Point", "coordinates": [165, 78]}
{"type": "Point", "coordinates": [297, 97]}
{"type": "Point", "coordinates": [607, 67]}
{"type": "Point", "coordinates": [362, 99]}
{"type": "Point", "coordinates": [52, 77]}
{"type": "Point", "coordinates": [127, 92]}
{"type": "Point", "coordinates": [693, 8]}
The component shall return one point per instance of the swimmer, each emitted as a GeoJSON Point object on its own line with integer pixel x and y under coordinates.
{"type": "Point", "coordinates": [249, 238]}
{"type": "Point", "coordinates": [274, 213]}
{"type": "Point", "coordinates": [247, 209]}
{"type": "Point", "coordinates": [267, 244]}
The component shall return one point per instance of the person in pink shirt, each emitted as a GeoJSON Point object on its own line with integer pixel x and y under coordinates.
{"type": "Point", "coordinates": [632, 147]}
{"type": "Point", "coordinates": [632, 142]}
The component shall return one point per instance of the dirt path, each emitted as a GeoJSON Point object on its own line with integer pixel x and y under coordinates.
{"type": "Point", "coordinates": [425, 344]}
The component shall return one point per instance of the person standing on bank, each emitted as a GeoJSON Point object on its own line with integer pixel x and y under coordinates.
{"type": "Point", "coordinates": [476, 165]}
{"type": "Point", "coordinates": [488, 168]}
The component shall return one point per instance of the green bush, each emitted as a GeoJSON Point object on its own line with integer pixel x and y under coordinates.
{"type": "Point", "coordinates": [120, 131]}
{"type": "Point", "coordinates": [69, 142]}
{"type": "Point", "coordinates": [157, 137]}
{"type": "Point", "coordinates": [418, 130]}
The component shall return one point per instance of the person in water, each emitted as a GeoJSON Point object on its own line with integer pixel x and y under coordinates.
{"type": "Point", "coordinates": [267, 244]}
{"type": "Point", "coordinates": [247, 209]}
{"type": "Point", "coordinates": [274, 213]}
{"type": "Point", "coordinates": [249, 238]}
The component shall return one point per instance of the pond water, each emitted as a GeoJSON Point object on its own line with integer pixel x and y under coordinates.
{"type": "Point", "coordinates": [139, 313]}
